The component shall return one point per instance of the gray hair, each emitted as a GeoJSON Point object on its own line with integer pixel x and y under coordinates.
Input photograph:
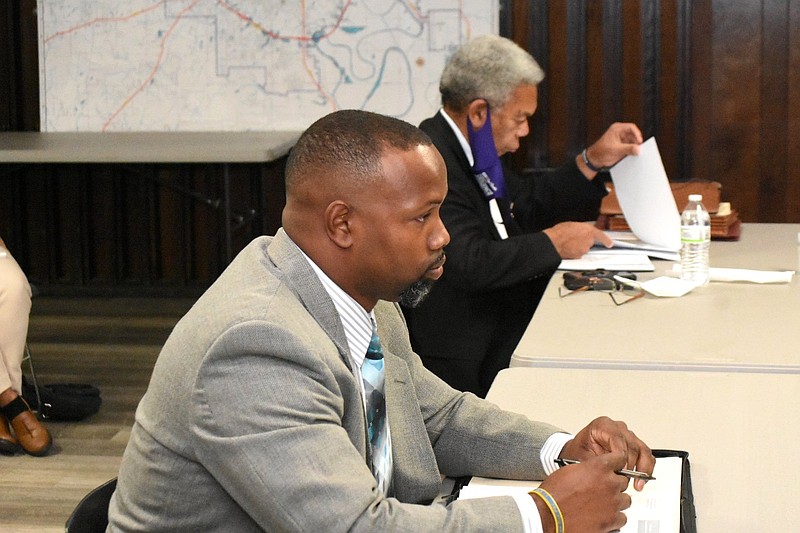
{"type": "Point", "coordinates": [489, 67]}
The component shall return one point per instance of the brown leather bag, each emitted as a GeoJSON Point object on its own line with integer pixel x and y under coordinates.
{"type": "Point", "coordinates": [711, 191]}
{"type": "Point", "coordinates": [724, 226]}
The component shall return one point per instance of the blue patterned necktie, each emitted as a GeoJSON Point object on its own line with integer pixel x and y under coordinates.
{"type": "Point", "coordinates": [380, 451]}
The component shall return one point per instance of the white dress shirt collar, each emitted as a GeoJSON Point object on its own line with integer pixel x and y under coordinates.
{"type": "Point", "coordinates": [357, 322]}
{"type": "Point", "coordinates": [460, 136]}
{"type": "Point", "coordinates": [494, 209]}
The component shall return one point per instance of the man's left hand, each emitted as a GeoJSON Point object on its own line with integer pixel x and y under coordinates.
{"type": "Point", "coordinates": [604, 435]}
{"type": "Point", "coordinates": [620, 139]}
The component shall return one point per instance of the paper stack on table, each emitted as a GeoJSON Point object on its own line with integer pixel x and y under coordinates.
{"type": "Point", "coordinates": [656, 508]}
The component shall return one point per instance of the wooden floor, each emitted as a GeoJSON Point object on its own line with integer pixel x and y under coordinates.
{"type": "Point", "coordinates": [112, 344]}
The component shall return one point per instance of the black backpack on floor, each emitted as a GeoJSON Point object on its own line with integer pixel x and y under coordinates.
{"type": "Point", "coordinates": [63, 401]}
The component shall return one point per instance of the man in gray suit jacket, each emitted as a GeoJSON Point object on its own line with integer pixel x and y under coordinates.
{"type": "Point", "coordinates": [255, 414]}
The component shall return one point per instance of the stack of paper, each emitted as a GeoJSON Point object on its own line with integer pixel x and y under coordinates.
{"type": "Point", "coordinates": [725, 223]}
{"type": "Point", "coordinates": [624, 240]}
{"type": "Point", "coordinates": [610, 259]}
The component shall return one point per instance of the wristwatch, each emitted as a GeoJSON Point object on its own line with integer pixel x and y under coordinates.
{"type": "Point", "coordinates": [589, 163]}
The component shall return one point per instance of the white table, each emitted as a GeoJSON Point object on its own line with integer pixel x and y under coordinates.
{"type": "Point", "coordinates": [741, 327]}
{"type": "Point", "coordinates": [151, 147]}
{"type": "Point", "coordinates": [740, 430]}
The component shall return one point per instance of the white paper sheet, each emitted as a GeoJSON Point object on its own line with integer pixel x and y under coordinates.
{"type": "Point", "coordinates": [744, 274]}
{"type": "Point", "coordinates": [610, 260]}
{"type": "Point", "coordinates": [626, 240]}
{"type": "Point", "coordinates": [662, 286]}
{"type": "Point", "coordinates": [644, 194]}
{"type": "Point", "coordinates": [656, 508]}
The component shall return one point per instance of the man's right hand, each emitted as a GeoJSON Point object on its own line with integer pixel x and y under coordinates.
{"type": "Point", "coordinates": [573, 239]}
{"type": "Point", "coordinates": [590, 495]}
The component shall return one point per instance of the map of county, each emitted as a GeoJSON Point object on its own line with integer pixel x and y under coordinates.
{"type": "Point", "coordinates": [244, 65]}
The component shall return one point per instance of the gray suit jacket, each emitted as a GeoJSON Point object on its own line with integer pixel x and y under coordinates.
{"type": "Point", "coordinates": [253, 420]}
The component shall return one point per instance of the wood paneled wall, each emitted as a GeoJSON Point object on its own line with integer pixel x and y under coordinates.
{"type": "Point", "coordinates": [133, 229]}
{"type": "Point", "coordinates": [717, 82]}
{"type": "Point", "coordinates": [19, 66]}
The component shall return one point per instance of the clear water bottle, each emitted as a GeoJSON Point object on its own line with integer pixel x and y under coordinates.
{"type": "Point", "coordinates": [695, 240]}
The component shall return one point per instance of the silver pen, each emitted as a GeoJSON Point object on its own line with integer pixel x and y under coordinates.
{"type": "Point", "coordinates": [624, 472]}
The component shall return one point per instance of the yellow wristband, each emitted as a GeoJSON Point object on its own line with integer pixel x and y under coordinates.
{"type": "Point", "coordinates": [551, 504]}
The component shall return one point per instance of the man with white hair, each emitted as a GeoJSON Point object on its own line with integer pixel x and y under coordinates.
{"type": "Point", "coordinates": [508, 235]}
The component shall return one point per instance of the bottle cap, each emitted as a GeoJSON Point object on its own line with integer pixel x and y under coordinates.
{"type": "Point", "coordinates": [695, 197]}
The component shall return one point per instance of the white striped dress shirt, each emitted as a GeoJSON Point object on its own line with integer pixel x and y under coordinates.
{"type": "Point", "coordinates": [357, 323]}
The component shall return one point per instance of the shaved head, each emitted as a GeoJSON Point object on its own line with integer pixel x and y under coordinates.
{"type": "Point", "coordinates": [347, 146]}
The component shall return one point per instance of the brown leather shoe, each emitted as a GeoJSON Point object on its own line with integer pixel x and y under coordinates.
{"type": "Point", "coordinates": [8, 444]}
{"type": "Point", "coordinates": [31, 434]}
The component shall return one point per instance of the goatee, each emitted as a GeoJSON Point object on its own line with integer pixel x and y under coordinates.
{"type": "Point", "coordinates": [416, 293]}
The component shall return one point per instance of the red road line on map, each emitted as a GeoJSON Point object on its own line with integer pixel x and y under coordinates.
{"type": "Point", "coordinates": [104, 19]}
{"type": "Point", "coordinates": [272, 34]}
{"type": "Point", "coordinates": [413, 8]}
{"type": "Point", "coordinates": [304, 39]}
{"type": "Point", "coordinates": [466, 20]}
{"type": "Point", "coordinates": [304, 54]}
{"type": "Point", "coordinates": [157, 66]}
{"type": "Point", "coordinates": [250, 20]}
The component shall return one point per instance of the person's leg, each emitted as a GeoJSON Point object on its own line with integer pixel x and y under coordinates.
{"type": "Point", "coordinates": [15, 307]}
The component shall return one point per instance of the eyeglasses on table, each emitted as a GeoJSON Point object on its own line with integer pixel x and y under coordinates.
{"type": "Point", "coordinates": [601, 281]}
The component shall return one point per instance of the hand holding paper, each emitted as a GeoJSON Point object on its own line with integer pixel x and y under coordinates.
{"type": "Point", "coordinates": [619, 140]}
{"type": "Point", "coordinates": [644, 194]}
{"type": "Point", "coordinates": [645, 197]}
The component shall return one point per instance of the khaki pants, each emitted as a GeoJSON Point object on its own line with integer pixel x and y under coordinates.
{"type": "Point", "coordinates": [15, 308]}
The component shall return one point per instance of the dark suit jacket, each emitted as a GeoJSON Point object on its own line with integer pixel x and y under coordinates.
{"type": "Point", "coordinates": [481, 306]}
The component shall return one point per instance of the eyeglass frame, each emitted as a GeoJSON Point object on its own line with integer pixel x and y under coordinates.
{"type": "Point", "coordinates": [600, 280]}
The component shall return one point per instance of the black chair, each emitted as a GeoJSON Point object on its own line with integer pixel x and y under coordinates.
{"type": "Point", "coordinates": [91, 513]}
{"type": "Point", "coordinates": [27, 357]}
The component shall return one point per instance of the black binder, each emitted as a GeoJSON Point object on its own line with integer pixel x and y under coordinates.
{"type": "Point", "coordinates": [688, 516]}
